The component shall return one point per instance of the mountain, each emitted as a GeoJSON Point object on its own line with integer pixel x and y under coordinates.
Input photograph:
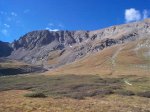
{"type": "Point", "coordinates": [53, 49]}
{"type": "Point", "coordinates": [5, 49]}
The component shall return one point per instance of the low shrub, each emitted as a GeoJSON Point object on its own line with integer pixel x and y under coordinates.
{"type": "Point", "coordinates": [35, 95]}
{"type": "Point", "coordinates": [144, 94]}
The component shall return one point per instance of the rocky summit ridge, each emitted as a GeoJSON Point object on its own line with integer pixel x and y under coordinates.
{"type": "Point", "coordinates": [55, 48]}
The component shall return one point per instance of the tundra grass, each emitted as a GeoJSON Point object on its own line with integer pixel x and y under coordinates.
{"type": "Point", "coordinates": [76, 86]}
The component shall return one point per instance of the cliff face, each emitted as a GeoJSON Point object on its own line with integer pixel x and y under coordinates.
{"type": "Point", "coordinates": [53, 49]}
{"type": "Point", "coordinates": [56, 39]}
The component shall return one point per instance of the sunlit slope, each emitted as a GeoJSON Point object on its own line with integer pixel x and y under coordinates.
{"type": "Point", "coordinates": [132, 58]}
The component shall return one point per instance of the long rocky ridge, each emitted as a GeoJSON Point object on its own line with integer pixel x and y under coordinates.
{"type": "Point", "coordinates": [55, 48]}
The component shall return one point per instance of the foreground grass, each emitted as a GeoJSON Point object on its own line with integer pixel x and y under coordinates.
{"type": "Point", "coordinates": [62, 86]}
{"type": "Point", "coordinates": [78, 87]}
{"type": "Point", "coordinates": [74, 93]}
{"type": "Point", "coordinates": [14, 101]}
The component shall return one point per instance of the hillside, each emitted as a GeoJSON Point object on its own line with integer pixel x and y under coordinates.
{"type": "Point", "coordinates": [53, 49]}
{"type": "Point", "coordinates": [122, 49]}
{"type": "Point", "coordinates": [132, 58]}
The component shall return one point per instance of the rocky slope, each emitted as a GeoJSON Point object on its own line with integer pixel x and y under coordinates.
{"type": "Point", "coordinates": [53, 49]}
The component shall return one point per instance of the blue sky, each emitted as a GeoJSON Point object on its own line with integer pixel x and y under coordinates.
{"type": "Point", "coordinates": [18, 17]}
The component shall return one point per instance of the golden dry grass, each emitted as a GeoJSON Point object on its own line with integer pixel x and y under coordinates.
{"type": "Point", "coordinates": [14, 101]}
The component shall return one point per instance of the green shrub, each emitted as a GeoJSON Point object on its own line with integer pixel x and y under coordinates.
{"type": "Point", "coordinates": [35, 95]}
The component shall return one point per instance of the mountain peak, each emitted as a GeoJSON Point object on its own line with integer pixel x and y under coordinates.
{"type": "Point", "coordinates": [44, 46]}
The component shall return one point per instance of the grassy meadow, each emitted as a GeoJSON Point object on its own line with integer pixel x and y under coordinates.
{"type": "Point", "coordinates": [71, 93]}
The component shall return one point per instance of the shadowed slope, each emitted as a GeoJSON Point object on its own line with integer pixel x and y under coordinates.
{"type": "Point", "coordinates": [5, 49]}
{"type": "Point", "coordinates": [14, 67]}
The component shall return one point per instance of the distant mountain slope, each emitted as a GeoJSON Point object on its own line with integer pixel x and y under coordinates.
{"type": "Point", "coordinates": [54, 49]}
{"type": "Point", "coordinates": [5, 49]}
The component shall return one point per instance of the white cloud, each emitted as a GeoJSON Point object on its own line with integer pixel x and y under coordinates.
{"type": "Point", "coordinates": [54, 27]}
{"type": "Point", "coordinates": [7, 25]}
{"type": "Point", "coordinates": [51, 29]}
{"type": "Point", "coordinates": [132, 15]}
{"type": "Point", "coordinates": [145, 14]}
{"type": "Point", "coordinates": [4, 32]}
{"type": "Point", "coordinates": [13, 14]}
{"type": "Point", "coordinates": [7, 20]}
